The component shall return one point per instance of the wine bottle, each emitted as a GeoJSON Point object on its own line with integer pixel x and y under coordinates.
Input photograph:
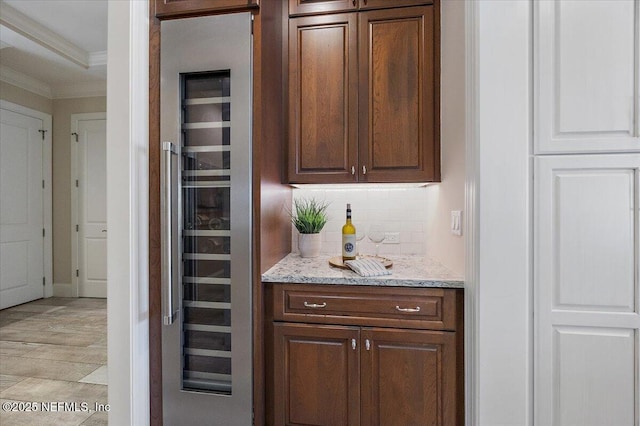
{"type": "Point", "coordinates": [348, 238]}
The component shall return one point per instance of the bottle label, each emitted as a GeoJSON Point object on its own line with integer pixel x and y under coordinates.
{"type": "Point", "coordinates": [348, 245]}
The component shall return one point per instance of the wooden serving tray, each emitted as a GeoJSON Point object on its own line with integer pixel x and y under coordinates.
{"type": "Point", "coordinates": [337, 261]}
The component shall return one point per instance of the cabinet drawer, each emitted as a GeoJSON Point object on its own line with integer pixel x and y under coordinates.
{"type": "Point", "coordinates": [385, 307]}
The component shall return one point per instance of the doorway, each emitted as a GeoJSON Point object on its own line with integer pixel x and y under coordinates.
{"type": "Point", "coordinates": [25, 205]}
{"type": "Point", "coordinates": [89, 204]}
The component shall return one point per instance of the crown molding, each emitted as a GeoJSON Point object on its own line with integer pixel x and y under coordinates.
{"type": "Point", "coordinates": [23, 81]}
{"type": "Point", "coordinates": [97, 59]}
{"type": "Point", "coordinates": [22, 24]}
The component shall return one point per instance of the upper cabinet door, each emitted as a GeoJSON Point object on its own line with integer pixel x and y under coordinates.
{"type": "Point", "coordinates": [178, 8]}
{"type": "Point", "coordinates": [398, 95]}
{"type": "Point", "coordinates": [323, 99]}
{"type": "Point", "coordinates": [586, 77]}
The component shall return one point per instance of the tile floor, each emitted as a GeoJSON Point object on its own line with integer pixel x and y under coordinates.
{"type": "Point", "coordinates": [54, 350]}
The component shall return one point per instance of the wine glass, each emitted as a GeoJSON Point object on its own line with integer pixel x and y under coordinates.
{"type": "Point", "coordinates": [376, 235]}
{"type": "Point", "coordinates": [359, 236]}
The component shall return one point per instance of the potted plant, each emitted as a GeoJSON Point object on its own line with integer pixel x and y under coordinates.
{"type": "Point", "coordinates": [309, 217]}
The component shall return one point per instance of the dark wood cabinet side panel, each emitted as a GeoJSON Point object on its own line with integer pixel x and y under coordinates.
{"type": "Point", "coordinates": [155, 267]}
{"type": "Point", "coordinates": [185, 8]}
{"type": "Point", "coordinates": [322, 98]}
{"type": "Point", "coordinates": [316, 375]}
{"type": "Point", "coordinates": [271, 198]}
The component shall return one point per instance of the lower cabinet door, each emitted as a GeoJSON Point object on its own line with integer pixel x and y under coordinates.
{"type": "Point", "coordinates": [317, 375]}
{"type": "Point", "coordinates": [408, 377]}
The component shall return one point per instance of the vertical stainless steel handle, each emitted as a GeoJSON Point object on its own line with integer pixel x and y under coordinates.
{"type": "Point", "coordinates": [353, 344]}
{"type": "Point", "coordinates": [367, 344]}
{"type": "Point", "coordinates": [168, 151]}
{"type": "Point", "coordinates": [364, 170]}
{"type": "Point", "coordinates": [353, 170]}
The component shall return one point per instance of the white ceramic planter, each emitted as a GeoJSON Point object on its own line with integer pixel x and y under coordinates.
{"type": "Point", "coordinates": [309, 245]}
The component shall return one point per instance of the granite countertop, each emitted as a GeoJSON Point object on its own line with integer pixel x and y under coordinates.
{"type": "Point", "coordinates": [407, 271]}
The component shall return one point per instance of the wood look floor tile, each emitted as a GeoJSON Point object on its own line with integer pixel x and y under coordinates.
{"type": "Point", "coordinates": [34, 389]}
{"type": "Point", "coordinates": [16, 348]}
{"type": "Point", "coordinates": [54, 338]}
{"type": "Point", "coordinates": [7, 380]}
{"type": "Point", "coordinates": [51, 369]}
{"type": "Point", "coordinates": [90, 355]}
{"type": "Point", "coordinates": [98, 377]}
{"type": "Point", "coordinates": [100, 418]}
{"type": "Point", "coordinates": [28, 307]}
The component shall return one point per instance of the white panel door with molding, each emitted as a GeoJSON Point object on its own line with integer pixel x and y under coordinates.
{"type": "Point", "coordinates": [586, 56]}
{"type": "Point", "coordinates": [586, 291]}
{"type": "Point", "coordinates": [91, 202]}
{"type": "Point", "coordinates": [21, 209]}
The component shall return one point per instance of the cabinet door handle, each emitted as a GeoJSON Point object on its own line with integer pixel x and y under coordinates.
{"type": "Point", "coordinates": [416, 309]}
{"type": "Point", "coordinates": [367, 344]}
{"type": "Point", "coordinates": [353, 170]}
{"type": "Point", "coordinates": [353, 344]}
{"type": "Point", "coordinates": [354, 2]}
{"type": "Point", "coordinates": [364, 170]}
{"type": "Point", "coordinates": [315, 305]}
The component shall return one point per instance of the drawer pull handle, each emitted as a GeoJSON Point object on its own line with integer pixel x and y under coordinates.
{"type": "Point", "coordinates": [315, 305]}
{"type": "Point", "coordinates": [416, 309]}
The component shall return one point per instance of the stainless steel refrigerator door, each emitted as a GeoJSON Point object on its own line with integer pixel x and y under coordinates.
{"type": "Point", "coordinates": [207, 365]}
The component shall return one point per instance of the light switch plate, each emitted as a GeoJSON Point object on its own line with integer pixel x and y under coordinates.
{"type": "Point", "coordinates": [456, 222]}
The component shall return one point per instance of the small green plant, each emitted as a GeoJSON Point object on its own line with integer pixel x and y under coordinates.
{"type": "Point", "coordinates": [309, 216]}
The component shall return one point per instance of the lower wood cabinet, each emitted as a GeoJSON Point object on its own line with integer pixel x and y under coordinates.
{"type": "Point", "coordinates": [333, 374]}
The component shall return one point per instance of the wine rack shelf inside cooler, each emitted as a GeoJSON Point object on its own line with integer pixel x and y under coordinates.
{"type": "Point", "coordinates": [206, 232]}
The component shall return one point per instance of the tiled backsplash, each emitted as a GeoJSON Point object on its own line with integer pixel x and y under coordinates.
{"type": "Point", "coordinates": [402, 210]}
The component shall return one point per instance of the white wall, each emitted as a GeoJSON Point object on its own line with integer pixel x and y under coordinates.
{"type": "Point", "coordinates": [17, 95]}
{"type": "Point", "coordinates": [499, 286]}
{"type": "Point", "coordinates": [449, 194]}
{"type": "Point", "coordinates": [127, 212]}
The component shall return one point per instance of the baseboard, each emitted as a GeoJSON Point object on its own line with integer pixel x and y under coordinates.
{"type": "Point", "coordinates": [62, 290]}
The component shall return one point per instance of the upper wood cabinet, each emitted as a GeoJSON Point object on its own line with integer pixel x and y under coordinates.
{"type": "Point", "coordinates": [181, 8]}
{"type": "Point", "coordinates": [364, 96]}
{"type": "Point", "coordinates": [304, 7]}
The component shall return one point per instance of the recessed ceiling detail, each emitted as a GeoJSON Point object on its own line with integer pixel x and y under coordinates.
{"type": "Point", "coordinates": [44, 46]}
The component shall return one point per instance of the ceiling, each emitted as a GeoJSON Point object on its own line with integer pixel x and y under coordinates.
{"type": "Point", "coordinates": [55, 48]}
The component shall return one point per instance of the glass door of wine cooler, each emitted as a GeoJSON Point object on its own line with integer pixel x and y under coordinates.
{"type": "Point", "coordinates": [206, 132]}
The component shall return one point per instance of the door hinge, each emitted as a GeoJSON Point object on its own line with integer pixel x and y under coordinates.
{"type": "Point", "coordinates": [43, 280]}
{"type": "Point", "coordinates": [43, 232]}
{"type": "Point", "coordinates": [75, 135]}
{"type": "Point", "coordinates": [252, 24]}
{"type": "Point", "coordinates": [77, 228]}
{"type": "Point", "coordinates": [77, 183]}
{"type": "Point", "coordinates": [77, 272]}
{"type": "Point", "coordinates": [42, 132]}
{"type": "Point", "coordinates": [42, 183]}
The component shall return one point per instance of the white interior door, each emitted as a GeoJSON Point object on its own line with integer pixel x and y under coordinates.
{"type": "Point", "coordinates": [91, 227]}
{"type": "Point", "coordinates": [21, 209]}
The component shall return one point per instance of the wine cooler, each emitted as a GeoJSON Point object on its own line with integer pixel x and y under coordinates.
{"type": "Point", "coordinates": [206, 204]}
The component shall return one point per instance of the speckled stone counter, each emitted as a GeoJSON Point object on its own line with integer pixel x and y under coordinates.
{"type": "Point", "coordinates": [407, 271]}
